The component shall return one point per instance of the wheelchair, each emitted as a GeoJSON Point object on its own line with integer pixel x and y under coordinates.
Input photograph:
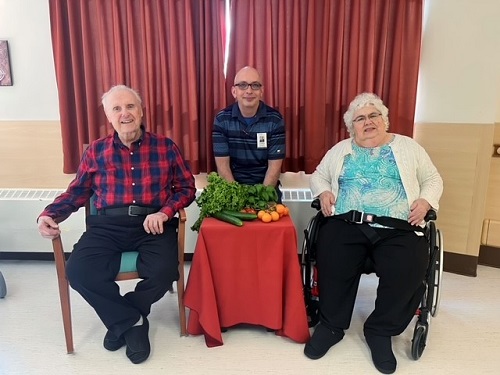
{"type": "Point", "coordinates": [429, 304]}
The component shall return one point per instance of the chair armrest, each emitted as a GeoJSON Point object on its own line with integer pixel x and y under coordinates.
{"type": "Point", "coordinates": [59, 258]}
{"type": "Point", "coordinates": [182, 215]}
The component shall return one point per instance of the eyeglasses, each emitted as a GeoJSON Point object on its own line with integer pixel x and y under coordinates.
{"type": "Point", "coordinates": [362, 119]}
{"type": "Point", "coordinates": [253, 85]}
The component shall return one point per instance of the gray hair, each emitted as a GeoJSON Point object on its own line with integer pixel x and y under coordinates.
{"type": "Point", "coordinates": [118, 88]}
{"type": "Point", "coordinates": [360, 101]}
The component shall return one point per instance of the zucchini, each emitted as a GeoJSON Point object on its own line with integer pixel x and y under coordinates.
{"type": "Point", "coordinates": [228, 218]}
{"type": "Point", "coordinates": [240, 215]}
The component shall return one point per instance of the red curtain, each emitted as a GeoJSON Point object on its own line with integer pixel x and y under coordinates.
{"type": "Point", "coordinates": [210, 37]}
{"type": "Point", "coordinates": [315, 56]}
{"type": "Point", "coordinates": [152, 46]}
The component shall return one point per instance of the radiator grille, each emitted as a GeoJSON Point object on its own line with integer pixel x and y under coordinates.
{"type": "Point", "coordinates": [293, 195]}
{"type": "Point", "coordinates": [296, 195]}
{"type": "Point", "coordinates": [29, 194]}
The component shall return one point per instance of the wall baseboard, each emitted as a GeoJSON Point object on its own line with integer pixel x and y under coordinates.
{"type": "Point", "coordinates": [489, 256]}
{"type": "Point", "coordinates": [460, 264]}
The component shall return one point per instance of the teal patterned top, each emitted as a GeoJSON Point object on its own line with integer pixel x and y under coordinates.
{"type": "Point", "coordinates": [370, 182]}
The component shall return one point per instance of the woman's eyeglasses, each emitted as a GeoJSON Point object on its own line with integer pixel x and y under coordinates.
{"type": "Point", "coordinates": [362, 119]}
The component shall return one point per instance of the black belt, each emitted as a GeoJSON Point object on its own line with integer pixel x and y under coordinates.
{"type": "Point", "coordinates": [356, 217]}
{"type": "Point", "coordinates": [128, 211]}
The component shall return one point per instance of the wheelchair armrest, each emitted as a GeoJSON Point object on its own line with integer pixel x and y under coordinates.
{"type": "Point", "coordinates": [431, 215]}
{"type": "Point", "coordinates": [315, 204]}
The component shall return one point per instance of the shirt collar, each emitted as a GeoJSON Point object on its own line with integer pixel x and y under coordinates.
{"type": "Point", "coordinates": [261, 111]}
{"type": "Point", "coordinates": [137, 143]}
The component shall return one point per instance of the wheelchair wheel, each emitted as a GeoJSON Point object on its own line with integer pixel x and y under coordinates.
{"type": "Point", "coordinates": [419, 340]}
{"type": "Point", "coordinates": [308, 271]}
{"type": "Point", "coordinates": [312, 309]}
{"type": "Point", "coordinates": [3, 287]}
{"type": "Point", "coordinates": [436, 271]}
{"type": "Point", "coordinates": [439, 274]}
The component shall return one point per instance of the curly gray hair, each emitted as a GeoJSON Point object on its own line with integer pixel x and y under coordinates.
{"type": "Point", "coordinates": [360, 101]}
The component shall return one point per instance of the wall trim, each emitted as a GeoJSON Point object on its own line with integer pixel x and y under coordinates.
{"type": "Point", "coordinates": [460, 264]}
{"type": "Point", "coordinates": [489, 256]}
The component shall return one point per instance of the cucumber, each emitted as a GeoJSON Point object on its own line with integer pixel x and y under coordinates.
{"type": "Point", "coordinates": [240, 215]}
{"type": "Point", "coordinates": [228, 218]}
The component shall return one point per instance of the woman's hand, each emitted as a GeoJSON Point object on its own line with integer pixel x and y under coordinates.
{"type": "Point", "coordinates": [327, 202]}
{"type": "Point", "coordinates": [418, 210]}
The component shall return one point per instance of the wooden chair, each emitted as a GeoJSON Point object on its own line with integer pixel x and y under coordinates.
{"type": "Point", "coordinates": [127, 272]}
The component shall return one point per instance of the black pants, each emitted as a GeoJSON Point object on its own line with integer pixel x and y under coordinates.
{"type": "Point", "coordinates": [400, 259]}
{"type": "Point", "coordinates": [95, 261]}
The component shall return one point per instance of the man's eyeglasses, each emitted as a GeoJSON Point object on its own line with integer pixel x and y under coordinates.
{"type": "Point", "coordinates": [253, 85]}
{"type": "Point", "coordinates": [362, 119]}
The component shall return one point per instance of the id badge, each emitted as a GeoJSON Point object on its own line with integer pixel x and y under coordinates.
{"type": "Point", "coordinates": [261, 140]}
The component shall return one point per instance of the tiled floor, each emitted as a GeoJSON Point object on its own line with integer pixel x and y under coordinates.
{"type": "Point", "coordinates": [464, 338]}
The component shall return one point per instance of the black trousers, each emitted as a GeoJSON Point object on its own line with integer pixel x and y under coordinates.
{"type": "Point", "coordinates": [95, 261]}
{"type": "Point", "coordinates": [400, 259]}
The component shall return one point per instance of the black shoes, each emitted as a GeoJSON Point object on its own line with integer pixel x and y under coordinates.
{"type": "Point", "coordinates": [113, 343]}
{"type": "Point", "coordinates": [137, 340]}
{"type": "Point", "coordinates": [321, 341]}
{"type": "Point", "coordinates": [380, 346]}
{"type": "Point", "coordinates": [382, 355]}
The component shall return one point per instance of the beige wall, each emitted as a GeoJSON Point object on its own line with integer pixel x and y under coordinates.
{"type": "Point", "coordinates": [491, 225]}
{"type": "Point", "coordinates": [31, 155]}
{"type": "Point", "coordinates": [462, 154]}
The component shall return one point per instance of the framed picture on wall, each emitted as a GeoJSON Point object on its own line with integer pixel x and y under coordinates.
{"type": "Point", "coordinates": [5, 71]}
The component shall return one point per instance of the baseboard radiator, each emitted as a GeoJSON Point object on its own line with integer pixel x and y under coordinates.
{"type": "Point", "coordinates": [19, 209]}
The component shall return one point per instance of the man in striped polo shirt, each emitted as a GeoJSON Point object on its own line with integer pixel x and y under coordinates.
{"type": "Point", "coordinates": [249, 136]}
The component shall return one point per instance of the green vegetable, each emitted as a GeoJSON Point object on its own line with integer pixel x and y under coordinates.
{"type": "Point", "coordinates": [259, 196]}
{"type": "Point", "coordinates": [219, 195]}
{"type": "Point", "coordinates": [228, 218]}
{"type": "Point", "coordinates": [240, 215]}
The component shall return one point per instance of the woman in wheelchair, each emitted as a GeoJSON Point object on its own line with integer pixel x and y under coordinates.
{"type": "Point", "coordinates": [375, 189]}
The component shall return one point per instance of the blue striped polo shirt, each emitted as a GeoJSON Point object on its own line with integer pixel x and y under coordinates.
{"type": "Point", "coordinates": [237, 137]}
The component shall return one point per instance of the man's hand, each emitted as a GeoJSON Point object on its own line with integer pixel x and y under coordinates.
{"type": "Point", "coordinates": [153, 224]}
{"type": "Point", "coordinates": [418, 210]}
{"type": "Point", "coordinates": [327, 201]}
{"type": "Point", "coordinates": [48, 228]}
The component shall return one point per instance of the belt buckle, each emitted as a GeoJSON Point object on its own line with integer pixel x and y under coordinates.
{"type": "Point", "coordinates": [130, 208]}
{"type": "Point", "coordinates": [355, 215]}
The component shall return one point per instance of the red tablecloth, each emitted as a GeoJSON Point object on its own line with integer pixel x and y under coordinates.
{"type": "Point", "coordinates": [248, 274]}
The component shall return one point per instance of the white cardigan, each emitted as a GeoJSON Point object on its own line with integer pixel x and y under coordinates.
{"type": "Point", "coordinates": [419, 176]}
